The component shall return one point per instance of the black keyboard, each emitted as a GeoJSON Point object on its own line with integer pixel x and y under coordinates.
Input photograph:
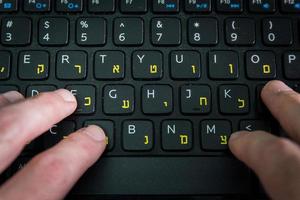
{"type": "Point", "coordinates": [168, 81]}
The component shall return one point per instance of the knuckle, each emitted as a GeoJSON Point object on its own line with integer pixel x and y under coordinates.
{"type": "Point", "coordinates": [56, 167]}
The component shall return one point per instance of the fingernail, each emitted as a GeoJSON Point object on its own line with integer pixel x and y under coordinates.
{"type": "Point", "coordinates": [238, 134]}
{"type": "Point", "coordinates": [13, 96]}
{"type": "Point", "coordinates": [96, 133]}
{"type": "Point", "coordinates": [66, 95]}
{"type": "Point", "coordinates": [276, 87]}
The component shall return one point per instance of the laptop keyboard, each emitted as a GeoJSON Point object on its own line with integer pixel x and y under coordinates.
{"type": "Point", "coordinates": [164, 78]}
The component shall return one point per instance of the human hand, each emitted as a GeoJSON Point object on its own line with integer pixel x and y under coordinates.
{"type": "Point", "coordinates": [275, 160]}
{"type": "Point", "coordinates": [51, 174]}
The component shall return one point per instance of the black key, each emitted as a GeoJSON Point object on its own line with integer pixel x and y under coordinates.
{"type": "Point", "coordinates": [69, 5]}
{"type": "Point", "coordinates": [198, 6]}
{"type": "Point", "coordinates": [8, 88]}
{"type": "Point", "coordinates": [277, 31]}
{"type": "Point", "coordinates": [53, 31]}
{"type": "Point", "coordinates": [195, 99]}
{"type": "Point", "coordinates": [177, 135]}
{"type": "Point", "coordinates": [16, 31]}
{"type": "Point", "coordinates": [109, 65]}
{"type": "Point", "coordinates": [296, 88]}
{"type": "Point", "coordinates": [58, 132]}
{"type": "Point", "coordinates": [33, 65]}
{"type": "Point", "coordinates": [255, 125]}
{"type": "Point", "coordinates": [109, 129]}
{"type": "Point", "coordinates": [234, 99]}
{"type": "Point", "coordinates": [291, 64]}
{"type": "Point", "coordinates": [85, 96]}
{"type": "Point", "coordinates": [71, 65]}
{"type": "Point", "coordinates": [137, 135]}
{"type": "Point", "coordinates": [97, 6]}
{"type": "Point", "coordinates": [35, 90]}
{"type": "Point", "coordinates": [223, 65]}
{"type": "Point", "coordinates": [129, 31]}
{"type": "Point", "coordinates": [147, 65]}
{"type": "Point", "coordinates": [91, 31]}
{"type": "Point", "coordinates": [262, 6]}
{"type": "Point", "coordinates": [215, 134]}
{"type": "Point", "coordinates": [260, 106]}
{"type": "Point", "coordinates": [185, 65]}
{"type": "Point", "coordinates": [260, 65]}
{"type": "Point", "coordinates": [118, 99]}
{"type": "Point", "coordinates": [5, 64]}
{"type": "Point", "coordinates": [240, 31]}
{"type": "Point", "coordinates": [133, 6]}
{"type": "Point", "coordinates": [8, 5]}
{"type": "Point", "coordinates": [165, 6]}
{"type": "Point", "coordinates": [18, 164]}
{"type": "Point", "coordinates": [234, 6]}
{"type": "Point", "coordinates": [37, 5]}
{"type": "Point", "coordinates": [290, 6]}
{"type": "Point", "coordinates": [157, 99]}
{"type": "Point", "coordinates": [203, 31]}
{"type": "Point", "coordinates": [166, 31]}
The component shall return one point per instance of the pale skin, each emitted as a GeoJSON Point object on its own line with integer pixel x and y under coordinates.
{"type": "Point", "coordinates": [275, 160]}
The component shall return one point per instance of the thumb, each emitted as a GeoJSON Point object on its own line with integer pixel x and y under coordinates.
{"type": "Point", "coordinates": [275, 160]}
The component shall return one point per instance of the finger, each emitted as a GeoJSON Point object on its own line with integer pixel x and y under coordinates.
{"type": "Point", "coordinates": [63, 164]}
{"type": "Point", "coordinates": [284, 103]}
{"type": "Point", "coordinates": [275, 160]}
{"type": "Point", "coordinates": [10, 97]}
{"type": "Point", "coordinates": [23, 121]}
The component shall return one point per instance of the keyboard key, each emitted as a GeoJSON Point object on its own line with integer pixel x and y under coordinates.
{"type": "Point", "coordinates": [262, 6]}
{"type": "Point", "coordinates": [109, 65]}
{"type": "Point", "coordinates": [185, 65]}
{"type": "Point", "coordinates": [5, 64]}
{"type": "Point", "coordinates": [16, 31]}
{"type": "Point", "coordinates": [34, 90]}
{"type": "Point", "coordinates": [137, 135]}
{"type": "Point", "coordinates": [108, 127]}
{"type": "Point", "coordinates": [101, 6]}
{"type": "Point", "coordinates": [234, 6]}
{"type": "Point", "coordinates": [198, 6]}
{"type": "Point", "coordinates": [129, 31]}
{"type": "Point", "coordinates": [255, 125]}
{"type": "Point", "coordinates": [37, 5]}
{"type": "Point", "coordinates": [215, 134]}
{"type": "Point", "coordinates": [223, 65]}
{"type": "Point", "coordinates": [69, 6]}
{"type": "Point", "coordinates": [165, 6]}
{"type": "Point", "coordinates": [85, 96]}
{"type": "Point", "coordinates": [34, 65]}
{"type": "Point", "coordinates": [53, 31]}
{"type": "Point", "coordinates": [277, 31]}
{"type": "Point", "coordinates": [8, 5]}
{"type": "Point", "coordinates": [118, 99]}
{"type": "Point", "coordinates": [234, 99]}
{"type": "Point", "coordinates": [203, 31]}
{"type": "Point", "coordinates": [290, 6]}
{"type": "Point", "coordinates": [18, 164]}
{"type": "Point", "coordinates": [260, 106]}
{"type": "Point", "coordinates": [133, 6]}
{"type": "Point", "coordinates": [147, 65]}
{"type": "Point", "coordinates": [71, 65]}
{"type": "Point", "coordinates": [58, 132]}
{"type": "Point", "coordinates": [240, 31]}
{"type": "Point", "coordinates": [91, 31]}
{"type": "Point", "coordinates": [177, 135]}
{"type": "Point", "coordinates": [195, 99]}
{"type": "Point", "coordinates": [260, 65]}
{"type": "Point", "coordinates": [166, 31]}
{"type": "Point", "coordinates": [7, 88]}
{"type": "Point", "coordinates": [157, 99]}
{"type": "Point", "coordinates": [291, 64]}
